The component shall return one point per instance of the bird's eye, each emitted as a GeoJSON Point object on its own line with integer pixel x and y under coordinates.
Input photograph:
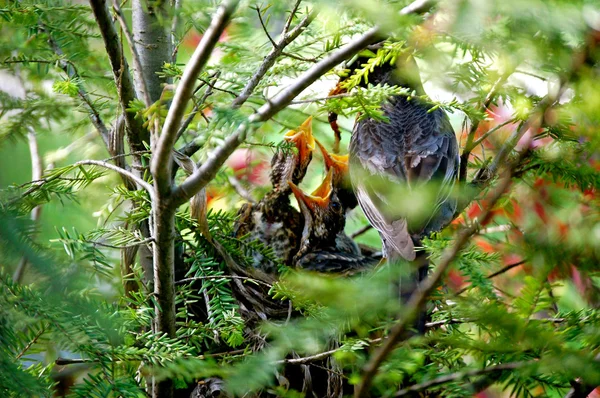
{"type": "Point", "coordinates": [336, 205]}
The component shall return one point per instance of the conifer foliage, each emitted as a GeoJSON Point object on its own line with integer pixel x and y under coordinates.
{"type": "Point", "coordinates": [149, 124]}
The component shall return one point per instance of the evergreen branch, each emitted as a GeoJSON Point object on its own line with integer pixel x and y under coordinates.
{"type": "Point", "coordinates": [418, 298]}
{"type": "Point", "coordinates": [142, 242]}
{"type": "Point", "coordinates": [209, 169]}
{"type": "Point", "coordinates": [161, 163]}
{"type": "Point", "coordinates": [311, 100]}
{"type": "Point", "coordinates": [136, 133]}
{"type": "Point", "coordinates": [31, 342]}
{"type": "Point", "coordinates": [119, 170]}
{"type": "Point", "coordinates": [270, 59]}
{"type": "Point", "coordinates": [244, 278]}
{"type": "Point", "coordinates": [460, 376]}
{"type": "Point", "coordinates": [495, 274]}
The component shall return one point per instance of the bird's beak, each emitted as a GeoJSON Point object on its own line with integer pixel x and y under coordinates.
{"type": "Point", "coordinates": [320, 196]}
{"type": "Point", "coordinates": [332, 161]}
{"type": "Point", "coordinates": [303, 139]}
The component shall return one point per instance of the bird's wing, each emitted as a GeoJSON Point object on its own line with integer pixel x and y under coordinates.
{"type": "Point", "coordinates": [416, 146]}
{"type": "Point", "coordinates": [433, 156]}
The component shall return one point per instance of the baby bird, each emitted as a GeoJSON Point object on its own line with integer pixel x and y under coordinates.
{"type": "Point", "coordinates": [324, 247]}
{"type": "Point", "coordinates": [273, 220]}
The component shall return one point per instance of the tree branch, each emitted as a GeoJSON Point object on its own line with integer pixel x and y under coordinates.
{"type": "Point", "coordinates": [161, 162]}
{"type": "Point", "coordinates": [244, 278]}
{"type": "Point", "coordinates": [460, 376]}
{"type": "Point", "coordinates": [119, 170]}
{"type": "Point", "coordinates": [208, 170]}
{"type": "Point", "coordinates": [137, 134]}
{"type": "Point", "coordinates": [137, 64]}
{"type": "Point", "coordinates": [495, 274]}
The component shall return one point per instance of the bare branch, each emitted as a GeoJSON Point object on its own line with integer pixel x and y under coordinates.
{"type": "Point", "coordinates": [161, 163]}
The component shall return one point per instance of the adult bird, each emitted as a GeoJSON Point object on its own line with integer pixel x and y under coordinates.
{"type": "Point", "coordinates": [395, 163]}
{"type": "Point", "coordinates": [324, 246]}
{"type": "Point", "coordinates": [273, 221]}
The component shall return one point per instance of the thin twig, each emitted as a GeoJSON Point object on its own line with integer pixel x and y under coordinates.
{"type": "Point", "coordinates": [264, 27]}
{"type": "Point", "coordinates": [495, 274]}
{"type": "Point", "coordinates": [119, 170]}
{"type": "Point", "coordinates": [361, 231]}
{"type": "Point", "coordinates": [244, 278]}
{"type": "Point", "coordinates": [308, 101]}
{"type": "Point", "coordinates": [74, 361]}
{"type": "Point", "coordinates": [142, 242]}
{"type": "Point", "coordinates": [240, 190]}
{"type": "Point", "coordinates": [72, 72]}
{"type": "Point", "coordinates": [289, 20]}
{"type": "Point", "coordinates": [490, 132]}
{"type": "Point", "coordinates": [460, 376]}
{"type": "Point", "coordinates": [197, 105]}
{"type": "Point", "coordinates": [270, 59]}
{"type": "Point", "coordinates": [303, 360]}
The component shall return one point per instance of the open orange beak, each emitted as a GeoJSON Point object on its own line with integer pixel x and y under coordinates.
{"type": "Point", "coordinates": [320, 196]}
{"type": "Point", "coordinates": [338, 162]}
{"type": "Point", "coordinates": [303, 139]}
